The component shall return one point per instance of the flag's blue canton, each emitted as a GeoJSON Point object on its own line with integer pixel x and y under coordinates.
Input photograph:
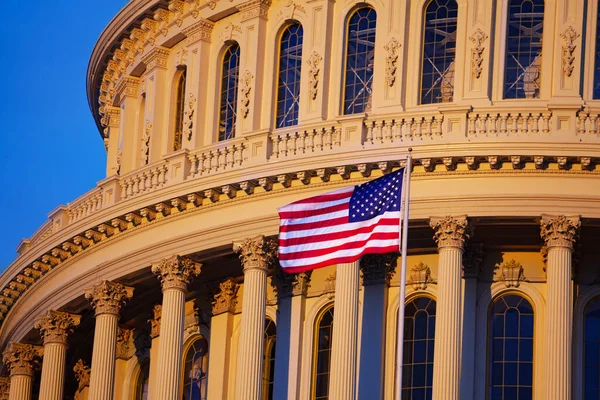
{"type": "Point", "coordinates": [376, 197]}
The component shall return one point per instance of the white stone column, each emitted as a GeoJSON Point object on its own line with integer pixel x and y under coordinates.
{"type": "Point", "coordinates": [224, 301]}
{"type": "Point", "coordinates": [451, 234]}
{"type": "Point", "coordinates": [256, 255]}
{"type": "Point", "coordinates": [22, 360]}
{"type": "Point", "coordinates": [344, 346]}
{"type": "Point", "coordinates": [82, 374]}
{"type": "Point", "coordinates": [377, 270]}
{"type": "Point", "coordinates": [291, 294]}
{"type": "Point", "coordinates": [155, 338]}
{"type": "Point", "coordinates": [559, 234]}
{"type": "Point", "coordinates": [107, 299]}
{"type": "Point", "coordinates": [55, 327]}
{"type": "Point", "coordinates": [174, 274]}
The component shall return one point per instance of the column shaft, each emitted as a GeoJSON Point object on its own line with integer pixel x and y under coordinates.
{"type": "Point", "coordinates": [103, 357]}
{"type": "Point", "coordinates": [20, 387]}
{"type": "Point", "coordinates": [559, 323]}
{"type": "Point", "coordinates": [53, 371]}
{"type": "Point", "coordinates": [342, 380]}
{"type": "Point", "coordinates": [448, 325]}
{"type": "Point", "coordinates": [251, 345]}
{"type": "Point", "coordinates": [171, 345]}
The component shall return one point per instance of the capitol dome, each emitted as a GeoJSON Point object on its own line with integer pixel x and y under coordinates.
{"type": "Point", "coordinates": [162, 282]}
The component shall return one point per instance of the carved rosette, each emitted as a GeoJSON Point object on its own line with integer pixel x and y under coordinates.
{"type": "Point", "coordinates": [451, 231]}
{"type": "Point", "coordinates": [82, 374]}
{"type": "Point", "coordinates": [378, 269]}
{"type": "Point", "coordinates": [569, 36]}
{"type": "Point", "coordinates": [224, 297]}
{"type": "Point", "coordinates": [511, 273]}
{"type": "Point", "coordinates": [392, 50]}
{"type": "Point", "coordinates": [287, 285]}
{"type": "Point", "coordinates": [314, 69]}
{"type": "Point", "coordinates": [108, 297]}
{"type": "Point", "coordinates": [56, 327]}
{"type": "Point", "coordinates": [22, 359]}
{"type": "Point", "coordinates": [155, 321]}
{"type": "Point", "coordinates": [560, 231]}
{"type": "Point", "coordinates": [4, 388]}
{"type": "Point", "coordinates": [420, 276]}
{"type": "Point", "coordinates": [477, 38]}
{"type": "Point", "coordinates": [472, 260]}
{"type": "Point", "coordinates": [124, 342]}
{"type": "Point", "coordinates": [256, 253]}
{"type": "Point", "coordinates": [176, 272]}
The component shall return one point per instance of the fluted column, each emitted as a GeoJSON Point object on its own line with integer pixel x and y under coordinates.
{"type": "Point", "coordinates": [55, 327]}
{"type": "Point", "coordinates": [377, 270]}
{"type": "Point", "coordinates": [344, 346]}
{"type": "Point", "coordinates": [107, 299]}
{"type": "Point", "coordinates": [256, 255]}
{"type": "Point", "coordinates": [559, 234]}
{"type": "Point", "coordinates": [22, 360]}
{"type": "Point", "coordinates": [174, 274]}
{"type": "Point", "coordinates": [451, 234]}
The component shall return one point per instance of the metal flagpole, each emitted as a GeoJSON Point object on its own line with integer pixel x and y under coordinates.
{"type": "Point", "coordinates": [402, 295]}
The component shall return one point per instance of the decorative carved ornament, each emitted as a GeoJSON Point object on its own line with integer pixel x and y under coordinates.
{"type": "Point", "coordinates": [201, 30]}
{"type": "Point", "coordinates": [246, 82]}
{"type": "Point", "coordinates": [330, 285]}
{"type": "Point", "coordinates": [289, 10]}
{"type": "Point", "coordinates": [229, 29]}
{"type": "Point", "coordinates": [22, 359]}
{"type": "Point", "coordinates": [223, 296]}
{"type": "Point", "coordinates": [155, 321]}
{"type": "Point", "coordinates": [378, 269]}
{"type": "Point", "coordinates": [560, 231]}
{"type": "Point", "coordinates": [451, 231]}
{"type": "Point", "coordinates": [256, 253]}
{"type": "Point", "coordinates": [314, 69]}
{"type": "Point", "coordinates": [477, 38]}
{"type": "Point", "coordinates": [472, 260]}
{"type": "Point", "coordinates": [181, 58]}
{"type": "Point", "coordinates": [254, 8]}
{"type": "Point", "coordinates": [56, 326]}
{"type": "Point", "coordinates": [511, 273]}
{"type": "Point", "coordinates": [569, 36]}
{"type": "Point", "coordinates": [146, 142]}
{"type": "Point", "coordinates": [392, 50]}
{"type": "Point", "coordinates": [108, 297]}
{"type": "Point", "coordinates": [4, 388]}
{"type": "Point", "coordinates": [188, 115]}
{"type": "Point", "coordinates": [176, 272]}
{"type": "Point", "coordinates": [124, 342]}
{"type": "Point", "coordinates": [82, 374]}
{"type": "Point", "coordinates": [287, 285]}
{"type": "Point", "coordinates": [420, 276]}
{"type": "Point", "coordinates": [176, 7]}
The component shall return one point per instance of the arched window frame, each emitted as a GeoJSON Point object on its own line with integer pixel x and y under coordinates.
{"type": "Point", "coordinates": [269, 359]}
{"type": "Point", "coordinates": [179, 109]}
{"type": "Point", "coordinates": [296, 91]}
{"type": "Point", "coordinates": [315, 348]}
{"type": "Point", "coordinates": [229, 107]}
{"type": "Point", "coordinates": [142, 376]}
{"type": "Point", "coordinates": [587, 296]}
{"type": "Point", "coordinates": [188, 345]}
{"type": "Point", "coordinates": [366, 103]}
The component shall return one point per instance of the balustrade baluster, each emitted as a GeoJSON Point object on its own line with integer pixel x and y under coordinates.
{"type": "Point", "coordinates": [275, 139]}
{"type": "Point", "coordinates": [311, 140]}
{"type": "Point", "coordinates": [338, 136]}
{"type": "Point", "coordinates": [369, 137]}
{"type": "Point", "coordinates": [328, 132]}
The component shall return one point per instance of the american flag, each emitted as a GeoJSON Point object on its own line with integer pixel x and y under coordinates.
{"type": "Point", "coordinates": [341, 226]}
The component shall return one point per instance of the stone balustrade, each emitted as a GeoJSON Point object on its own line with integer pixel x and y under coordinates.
{"type": "Point", "coordinates": [298, 142]}
{"type": "Point", "coordinates": [403, 128]}
{"type": "Point", "coordinates": [220, 157]}
{"type": "Point", "coordinates": [490, 124]}
{"type": "Point", "coordinates": [144, 180]}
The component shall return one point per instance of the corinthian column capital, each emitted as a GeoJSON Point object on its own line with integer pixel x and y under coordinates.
{"type": "Point", "coordinates": [256, 253]}
{"type": "Point", "coordinates": [22, 359]}
{"type": "Point", "coordinates": [560, 231]}
{"type": "Point", "coordinates": [176, 272]}
{"type": "Point", "coordinates": [108, 297]}
{"type": "Point", "coordinates": [56, 326]}
{"type": "Point", "coordinates": [451, 231]}
{"type": "Point", "coordinates": [224, 297]}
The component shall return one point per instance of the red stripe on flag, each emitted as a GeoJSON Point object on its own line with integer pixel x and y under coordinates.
{"type": "Point", "coordinates": [312, 213]}
{"type": "Point", "coordinates": [314, 225]}
{"type": "Point", "coordinates": [322, 198]}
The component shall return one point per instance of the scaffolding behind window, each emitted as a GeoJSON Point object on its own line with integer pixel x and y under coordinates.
{"type": "Point", "coordinates": [229, 91]}
{"type": "Point", "coordinates": [360, 56]}
{"type": "Point", "coordinates": [439, 50]}
{"type": "Point", "coordinates": [195, 369]}
{"type": "Point", "coordinates": [523, 68]}
{"type": "Point", "coordinates": [288, 87]}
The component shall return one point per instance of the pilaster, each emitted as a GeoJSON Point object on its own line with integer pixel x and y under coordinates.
{"type": "Point", "coordinates": [155, 345]}
{"type": "Point", "coordinates": [21, 360]}
{"type": "Point", "coordinates": [111, 140]}
{"type": "Point", "coordinates": [124, 350]}
{"type": "Point", "coordinates": [128, 93]}
{"type": "Point", "coordinates": [157, 108]}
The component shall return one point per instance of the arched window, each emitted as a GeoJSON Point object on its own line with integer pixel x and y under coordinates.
{"type": "Point", "coordinates": [596, 94]}
{"type": "Point", "coordinates": [523, 65]}
{"type": "Point", "coordinates": [360, 55]}
{"type": "Point", "coordinates": [179, 110]}
{"type": "Point", "coordinates": [439, 50]}
{"type": "Point", "coordinates": [229, 91]}
{"type": "Point", "coordinates": [417, 363]}
{"type": "Point", "coordinates": [141, 386]}
{"type": "Point", "coordinates": [591, 351]}
{"type": "Point", "coordinates": [195, 371]}
{"type": "Point", "coordinates": [288, 86]}
{"type": "Point", "coordinates": [322, 354]}
{"type": "Point", "coordinates": [269, 359]}
{"type": "Point", "coordinates": [510, 346]}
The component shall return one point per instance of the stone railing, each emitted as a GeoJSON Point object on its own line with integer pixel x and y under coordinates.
{"type": "Point", "coordinates": [219, 157]}
{"type": "Point", "coordinates": [85, 205]}
{"type": "Point", "coordinates": [509, 124]}
{"type": "Point", "coordinates": [387, 130]}
{"type": "Point", "coordinates": [588, 123]}
{"type": "Point", "coordinates": [297, 142]}
{"type": "Point", "coordinates": [144, 180]}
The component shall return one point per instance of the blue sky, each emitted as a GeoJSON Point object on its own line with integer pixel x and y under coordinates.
{"type": "Point", "coordinates": [50, 149]}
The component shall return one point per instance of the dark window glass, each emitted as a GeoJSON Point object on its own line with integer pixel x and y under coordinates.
{"type": "Point", "coordinates": [417, 363]}
{"type": "Point", "coordinates": [597, 58]}
{"type": "Point", "coordinates": [439, 50]}
{"type": "Point", "coordinates": [591, 351]}
{"type": "Point", "coordinates": [195, 370]}
{"type": "Point", "coordinates": [229, 91]}
{"type": "Point", "coordinates": [360, 54]}
{"type": "Point", "coordinates": [141, 389]}
{"type": "Point", "coordinates": [269, 360]}
{"type": "Point", "coordinates": [321, 368]}
{"type": "Point", "coordinates": [288, 87]}
{"type": "Point", "coordinates": [523, 67]}
{"type": "Point", "coordinates": [179, 110]}
{"type": "Point", "coordinates": [510, 347]}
